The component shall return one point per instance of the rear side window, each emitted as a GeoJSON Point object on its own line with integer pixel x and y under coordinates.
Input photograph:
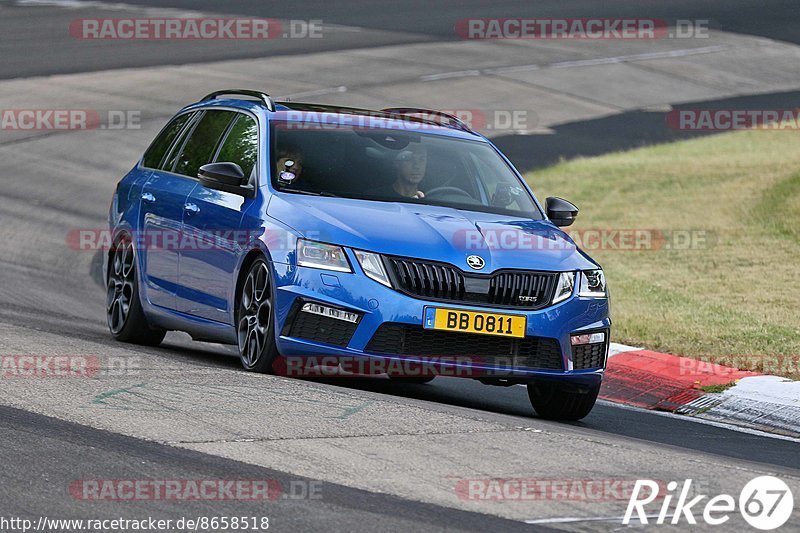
{"type": "Point", "coordinates": [203, 142]}
{"type": "Point", "coordinates": [241, 145]}
{"type": "Point", "coordinates": [172, 155]}
{"type": "Point", "coordinates": [155, 154]}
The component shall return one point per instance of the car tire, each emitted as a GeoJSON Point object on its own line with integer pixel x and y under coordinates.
{"type": "Point", "coordinates": [124, 313]}
{"type": "Point", "coordinates": [555, 401]}
{"type": "Point", "coordinates": [255, 324]}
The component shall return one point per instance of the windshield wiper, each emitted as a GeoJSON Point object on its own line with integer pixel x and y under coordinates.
{"type": "Point", "coordinates": [309, 193]}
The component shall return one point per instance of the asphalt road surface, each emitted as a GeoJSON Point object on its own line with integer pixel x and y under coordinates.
{"type": "Point", "coordinates": [389, 456]}
{"type": "Point", "coordinates": [40, 31]}
{"type": "Point", "coordinates": [62, 450]}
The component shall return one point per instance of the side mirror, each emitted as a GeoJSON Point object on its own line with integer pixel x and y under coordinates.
{"type": "Point", "coordinates": [227, 177]}
{"type": "Point", "coordinates": [561, 212]}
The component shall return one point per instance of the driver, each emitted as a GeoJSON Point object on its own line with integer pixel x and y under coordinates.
{"type": "Point", "coordinates": [410, 165]}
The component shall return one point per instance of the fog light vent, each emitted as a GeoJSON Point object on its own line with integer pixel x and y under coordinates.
{"type": "Point", "coordinates": [330, 312]}
{"type": "Point", "coordinates": [588, 338]}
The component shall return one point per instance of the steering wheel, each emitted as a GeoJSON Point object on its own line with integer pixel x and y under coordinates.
{"type": "Point", "coordinates": [451, 191]}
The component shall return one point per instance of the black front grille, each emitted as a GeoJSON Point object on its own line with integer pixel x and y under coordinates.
{"type": "Point", "coordinates": [517, 288]}
{"type": "Point", "coordinates": [440, 281]}
{"type": "Point", "coordinates": [433, 280]}
{"type": "Point", "coordinates": [323, 329]}
{"type": "Point", "coordinates": [529, 352]}
{"type": "Point", "coordinates": [586, 356]}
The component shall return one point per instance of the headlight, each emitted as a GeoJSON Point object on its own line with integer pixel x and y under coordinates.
{"type": "Point", "coordinates": [593, 284]}
{"type": "Point", "coordinates": [318, 255]}
{"type": "Point", "coordinates": [373, 267]}
{"type": "Point", "coordinates": [566, 282]}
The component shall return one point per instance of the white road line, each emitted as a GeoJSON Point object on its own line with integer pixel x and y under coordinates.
{"type": "Point", "coordinates": [447, 75]}
{"type": "Point", "coordinates": [507, 70]}
{"type": "Point", "coordinates": [343, 29]}
{"type": "Point", "coordinates": [317, 92]}
{"type": "Point", "coordinates": [696, 420]}
{"type": "Point", "coordinates": [155, 11]}
{"type": "Point", "coordinates": [666, 54]}
{"type": "Point", "coordinates": [72, 4]}
{"type": "Point", "coordinates": [111, 6]}
{"type": "Point", "coordinates": [616, 348]}
{"type": "Point", "coordinates": [574, 519]}
{"type": "Point", "coordinates": [772, 389]}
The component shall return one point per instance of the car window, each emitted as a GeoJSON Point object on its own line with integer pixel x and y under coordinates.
{"type": "Point", "coordinates": [241, 145]}
{"type": "Point", "coordinates": [172, 155]}
{"type": "Point", "coordinates": [155, 154]}
{"type": "Point", "coordinates": [498, 189]}
{"type": "Point", "coordinates": [202, 142]}
{"type": "Point", "coordinates": [394, 165]}
{"type": "Point", "coordinates": [490, 181]}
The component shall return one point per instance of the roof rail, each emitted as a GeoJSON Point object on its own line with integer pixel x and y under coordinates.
{"type": "Point", "coordinates": [451, 121]}
{"type": "Point", "coordinates": [264, 97]}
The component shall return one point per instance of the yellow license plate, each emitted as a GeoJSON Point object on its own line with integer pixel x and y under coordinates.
{"type": "Point", "coordinates": [475, 322]}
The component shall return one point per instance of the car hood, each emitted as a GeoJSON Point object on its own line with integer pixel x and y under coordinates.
{"type": "Point", "coordinates": [431, 232]}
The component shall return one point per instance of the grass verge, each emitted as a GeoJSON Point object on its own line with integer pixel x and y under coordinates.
{"type": "Point", "coordinates": [720, 276]}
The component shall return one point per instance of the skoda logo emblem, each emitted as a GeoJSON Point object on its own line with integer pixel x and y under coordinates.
{"type": "Point", "coordinates": [476, 262]}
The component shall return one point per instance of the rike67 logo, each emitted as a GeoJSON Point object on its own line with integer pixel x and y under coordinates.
{"type": "Point", "coordinates": [766, 503]}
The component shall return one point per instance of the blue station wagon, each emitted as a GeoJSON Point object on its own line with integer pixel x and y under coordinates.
{"type": "Point", "coordinates": [393, 243]}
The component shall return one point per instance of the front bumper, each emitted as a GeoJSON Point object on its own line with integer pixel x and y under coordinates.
{"type": "Point", "coordinates": [379, 306]}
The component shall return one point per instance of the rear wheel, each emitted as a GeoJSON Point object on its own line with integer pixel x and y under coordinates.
{"type": "Point", "coordinates": [255, 322]}
{"type": "Point", "coordinates": [556, 401]}
{"type": "Point", "coordinates": [124, 313]}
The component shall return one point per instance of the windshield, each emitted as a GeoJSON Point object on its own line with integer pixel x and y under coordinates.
{"type": "Point", "coordinates": [397, 166]}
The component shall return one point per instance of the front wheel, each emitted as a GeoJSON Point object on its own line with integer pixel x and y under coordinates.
{"type": "Point", "coordinates": [124, 313]}
{"type": "Point", "coordinates": [255, 328]}
{"type": "Point", "coordinates": [556, 401]}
